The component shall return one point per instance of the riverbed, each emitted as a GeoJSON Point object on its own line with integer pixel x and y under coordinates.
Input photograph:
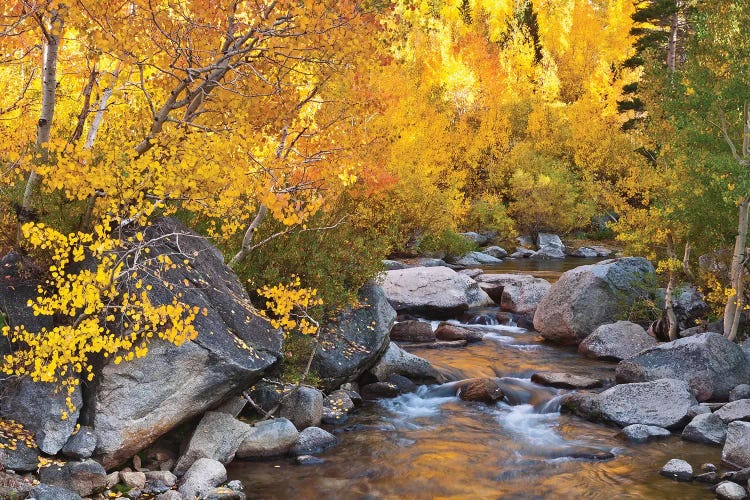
{"type": "Point", "coordinates": [430, 444]}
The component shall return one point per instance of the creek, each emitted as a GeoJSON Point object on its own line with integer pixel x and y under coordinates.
{"type": "Point", "coordinates": [430, 444]}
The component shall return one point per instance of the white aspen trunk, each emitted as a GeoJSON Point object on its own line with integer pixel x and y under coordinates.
{"type": "Point", "coordinates": [44, 126]}
{"type": "Point", "coordinates": [674, 33]}
{"type": "Point", "coordinates": [733, 309]}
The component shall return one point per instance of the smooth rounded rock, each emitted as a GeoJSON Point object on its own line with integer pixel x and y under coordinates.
{"type": "Point", "coordinates": [678, 470]}
{"type": "Point", "coordinates": [412, 331]}
{"type": "Point", "coordinates": [313, 440]}
{"type": "Point", "coordinates": [202, 476]}
{"type": "Point", "coordinates": [705, 428]}
{"type": "Point", "coordinates": [565, 380]}
{"type": "Point", "coordinates": [303, 406]}
{"type": "Point", "coordinates": [727, 490]}
{"type": "Point", "coordinates": [616, 341]}
{"type": "Point", "coordinates": [639, 433]}
{"type": "Point", "coordinates": [741, 391]}
{"type": "Point", "coordinates": [268, 439]}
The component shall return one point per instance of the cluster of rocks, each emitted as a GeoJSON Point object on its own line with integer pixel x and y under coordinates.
{"type": "Point", "coordinates": [731, 485]}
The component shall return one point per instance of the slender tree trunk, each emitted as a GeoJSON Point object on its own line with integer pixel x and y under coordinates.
{"type": "Point", "coordinates": [674, 34]}
{"type": "Point", "coordinates": [734, 307]}
{"type": "Point", "coordinates": [669, 295]}
{"type": "Point", "coordinates": [44, 125]}
{"type": "Point", "coordinates": [686, 263]}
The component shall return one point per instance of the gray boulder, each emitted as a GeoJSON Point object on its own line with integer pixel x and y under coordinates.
{"type": "Point", "coordinates": [432, 291]}
{"type": "Point", "coordinates": [736, 451]}
{"type": "Point", "coordinates": [133, 479]}
{"type": "Point", "coordinates": [663, 403]}
{"type": "Point", "coordinates": [203, 476]}
{"type": "Point", "coordinates": [396, 360]}
{"type": "Point", "coordinates": [705, 428]}
{"type": "Point", "coordinates": [727, 490]}
{"type": "Point", "coordinates": [565, 380]}
{"type": "Point", "coordinates": [639, 433]}
{"type": "Point", "coordinates": [522, 253]}
{"type": "Point", "coordinates": [49, 492]}
{"type": "Point", "coordinates": [516, 293]}
{"type": "Point", "coordinates": [429, 262]}
{"type": "Point", "coordinates": [449, 332]}
{"type": "Point", "coordinates": [338, 404]}
{"type": "Point", "coordinates": [476, 238]}
{"type": "Point", "coordinates": [391, 265]}
{"type": "Point", "coordinates": [132, 404]}
{"type": "Point", "coordinates": [473, 259]}
{"type": "Point", "coordinates": [39, 406]}
{"type": "Point", "coordinates": [584, 253]}
{"type": "Point", "coordinates": [355, 340]}
{"type": "Point", "coordinates": [85, 477]}
{"type": "Point", "coordinates": [710, 363]}
{"type": "Point", "coordinates": [270, 438]}
{"type": "Point", "coordinates": [589, 296]}
{"type": "Point", "coordinates": [550, 246]}
{"type": "Point", "coordinates": [303, 406]}
{"type": "Point", "coordinates": [312, 440]}
{"type": "Point", "coordinates": [81, 444]}
{"type": "Point", "coordinates": [163, 476]}
{"type": "Point", "coordinates": [495, 251]}
{"type": "Point", "coordinates": [678, 470]}
{"type": "Point", "coordinates": [217, 436]}
{"type": "Point", "coordinates": [22, 458]}
{"type": "Point", "coordinates": [690, 306]}
{"type": "Point", "coordinates": [412, 331]}
{"type": "Point", "coordinates": [741, 391]}
{"type": "Point", "coordinates": [616, 341]}
{"type": "Point", "coordinates": [736, 410]}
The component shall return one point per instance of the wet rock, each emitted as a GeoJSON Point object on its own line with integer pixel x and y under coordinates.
{"type": "Point", "coordinates": [639, 433]}
{"type": "Point", "coordinates": [85, 477]}
{"type": "Point", "coordinates": [728, 490]}
{"type": "Point", "coordinates": [412, 331]}
{"type": "Point", "coordinates": [448, 332]}
{"type": "Point", "coordinates": [705, 428]}
{"type": "Point", "coordinates": [736, 410]}
{"type": "Point", "coordinates": [355, 340]}
{"type": "Point", "coordinates": [662, 403]}
{"type": "Point", "coordinates": [741, 391]}
{"type": "Point", "coordinates": [516, 293]}
{"type": "Point", "coordinates": [496, 251]}
{"type": "Point", "coordinates": [709, 362]}
{"type": "Point", "coordinates": [338, 404]}
{"type": "Point", "coordinates": [548, 252]}
{"type": "Point", "coordinates": [589, 296]}
{"type": "Point", "coordinates": [473, 259]}
{"type": "Point", "coordinates": [430, 262]}
{"type": "Point", "coordinates": [81, 444]}
{"type": "Point", "coordinates": [522, 253]}
{"type": "Point", "coordinates": [738, 476]}
{"type": "Point", "coordinates": [482, 390]}
{"type": "Point", "coordinates": [380, 390]}
{"type": "Point", "coordinates": [133, 479]}
{"type": "Point", "coordinates": [202, 476]}
{"type": "Point", "coordinates": [38, 406]}
{"type": "Point", "coordinates": [223, 493]}
{"type": "Point", "coordinates": [433, 291]}
{"type": "Point", "coordinates": [565, 380]}
{"type": "Point", "coordinates": [396, 360]}
{"type": "Point", "coordinates": [708, 467]}
{"type": "Point", "coordinates": [23, 458]}
{"type": "Point", "coordinates": [616, 341]}
{"type": "Point", "coordinates": [736, 451]}
{"type": "Point", "coordinates": [51, 492]}
{"type": "Point", "coordinates": [132, 404]}
{"type": "Point", "coordinates": [404, 384]}
{"type": "Point", "coordinates": [678, 470]}
{"type": "Point", "coordinates": [303, 406]}
{"type": "Point", "coordinates": [217, 437]}
{"type": "Point", "coordinates": [313, 440]}
{"type": "Point", "coordinates": [707, 477]}
{"type": "Point", "coordinates": [308, 460]}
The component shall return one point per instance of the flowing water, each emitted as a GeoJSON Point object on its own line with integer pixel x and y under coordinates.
{"type": "Point", "coordinates": [430, 444]}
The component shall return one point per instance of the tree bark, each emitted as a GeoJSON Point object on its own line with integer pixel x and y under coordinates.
{"type": "Point", "coordinates": [668, 296]}
{"type": "Point", "coordinates": [734, 307]}
{"type": "Point", "coordinates": [44, 125]}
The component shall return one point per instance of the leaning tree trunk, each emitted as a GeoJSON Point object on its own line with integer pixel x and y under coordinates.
{"type": "Point", "coordinates": [669, 295]}
{"type": "Point", "coordinates": [44, 125]}
{"type": "Point", "coordinates": [734, 307]}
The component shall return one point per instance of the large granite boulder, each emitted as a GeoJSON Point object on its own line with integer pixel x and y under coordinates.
{"type": "Point", "coordinates": [84, 477]}
{"type": "Point", "coordinates": [663, 403]}
{"type": "Point", "coordinates": [710, 363]}
{"type": "Point", "coordinates": [736, 451]}
{"type": "Point", "coordinates": [518, 293]}
{"type": "Point", "coordinates": [268, 438]}
{"type": "Point", "coordinates": [399, 362]}
{"type": "Point", "coordinates": [217, 436]}
{"type": "Point", "coordinates": [39, 407]}
{"type": "Point", "coordinates": [433, 291]}
{"type": "Point", "coordinates": [353, 342]}
{"type": "Point", "coordinates": [550, 246]}
{"type": "Point", "coordinates": [132, 404]}
{"type": "Point", "coordinates": [589, 296]}
{"type": "Point", "coordinates": [705, 428]}
{"type": "Point", "coordinates": [616, 341]}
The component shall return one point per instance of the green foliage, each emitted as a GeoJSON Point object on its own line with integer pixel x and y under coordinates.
{"type": "Point", "coordinates": [641, 303]}
{"type": "Point", "coordinates": [297, 351]}
{"type": "Point", "coordinates": [446, 242]}
{"type": "Point", "coordinates": [490, 214]}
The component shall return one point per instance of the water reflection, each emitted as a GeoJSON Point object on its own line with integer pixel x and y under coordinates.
{"type": "Point", "coordinates": [432, 445]}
